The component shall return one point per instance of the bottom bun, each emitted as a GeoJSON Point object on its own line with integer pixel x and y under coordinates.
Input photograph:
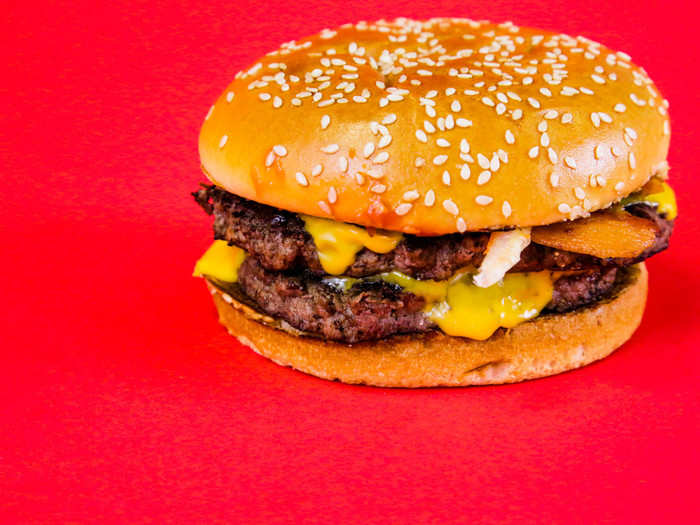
{"type": "Point", "coordinates": [545, 346]}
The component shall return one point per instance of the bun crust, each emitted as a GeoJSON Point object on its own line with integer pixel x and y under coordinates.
{"type": "Point", "coordinates": [380, 124]}
{"type": "Point", "coordinates": [548, 345]}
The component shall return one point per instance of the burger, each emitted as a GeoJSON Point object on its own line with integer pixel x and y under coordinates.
{"type": "Point", "coordinates": [443, 202]}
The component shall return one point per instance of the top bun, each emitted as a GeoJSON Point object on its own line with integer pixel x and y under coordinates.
{"type": "Point", "coordinates": [438, 126]}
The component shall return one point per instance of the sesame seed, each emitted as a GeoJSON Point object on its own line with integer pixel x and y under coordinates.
{"type": "Point", "coordinates": [517, 114]}
{"type": "Point", "coordinates": [580, 194]}
{"type": "Point", "coordinates": [483, 161]}
{"type": "Point", "coordinates": [586, 91]}
{"type": "Point", "coordinates": [483, 200]}
{"type": "Point", "coordinates": [446, 179]}
{"type": "Point", "coordinates": [270, 159]}
{"type": "Point", "coordinates": [324, 206]}
{"type": "Point", "coordinates": [598, 79]}
{"type": "Point", "coordinates": [619, 186]}
{"type": "Point", "coordinates": [381, 157]}
{"type": "Point", "coordinates": [461, 225]}
{"type": "Point", "coordinates": [211, 110]}
{"type": "Point", "coordinates": [620, 108]}
{"type": "Point", "coordinates": [637, 100]}
{"type": "Point", "coordinates": [570, 161]}
{"type": "Point", "coordinates": [443, 143]}
{"type": "Point", "coordinates": [598, 151]}
{"type": "Point", "coordinates": [332, 195]}
{"type": "Point", "coordinates": [316, 170]}
{"type": "Point", "coordinates": [544, 139]}
{"type": "Point", "coordinates": [389, 119]}
{"type": "Point", "coordinates": [510, 138]}
{"type": "Point", "coordinates": [429, 198]}
{"type": "Point", "coordinates": [667, 128]}
{"type": "Point", "coordinates": [325, 121]}
{"type": "Point", "coordinates": [463, 123]}
{"type": "Point", "coordinates": [551, 114]}
{"type": "Point", "coordinates": [500, 108]}
{"type": "Point", "coordinates": [450, 91]}
{"type": "Point", "coordinates": [553, 158]}
{"type": "Point", "coordinates": [378, 188]}
{"type": "Point", "coordinates": [616, 151]}
{"type": "Point", "coordinates": [533, 152]}
{"type": "Point", "coordinates": [330, 149]}
{"type": "Point", "coordinates": [439, 160]}
{"type": "Point", "coordinates": [384, 141]}
{"type": "Point", "coordinates": [632, 160]}
{"type": "Point", "coordinates": [450, 207]}
{"type": "Point", "coordinates": [542, 126]}
{"type": "Point", "coordinates": [229, 96]}
{"type": "Point", "coordinates": [368, 149]}
{"type": "Point", "coordinates": [564, 208]}
{"type": "Point", "coordinates": [277, 102]}
{"type": "Point", "coordinates": [343, 164]}
{"type": "Point", "coordinates": [403, 209]}
{"type": "Point", "coordinates": [554, 180]}
{"type": "Point", "coordinates": [534, 102]}
{"type": "Point", "coordinates": [428, 126]}
{"type": "Point", "coordinates": [495, 162]}
{"type": "Point", "coordinates": [506, 209]}
{"type": "Point", "coordinates": [484, 177]}
{"type": "Point", "coordinates": [421, 136]}
{"type": "Point", "coordinates": [568, 91]}
{"type": "Point", "coordinates": [420, 161]}
{"type": "Point", "coordinates": [464, 146]}
{"type": "Point", "coordinates": [411, 195]}
{"type": "Point", "coordinates": [456, 107]}
{"type": "Point", "coordinates": [488, 101]}
{"type": "Point", "coordinates": [605, 117]}
{"type": "Point", "coordinates": [222, 141]}
{"type": "Point", "coordinates": [279, 150]}
{"type": "Point", "coordinates": [264, 96]}
{"type": "Point", "coordinates": [527, 81]}
{"type": "Point", "coordinates": [301, 179]}
{"type": "Point", "coordinates": [595, 118]}
{"type": "Point", "coordinates": [631, 133]}
{"type": "Point", "coordinates": [566, 118]}
{"type": "Point", "coordinates": [465, 172]}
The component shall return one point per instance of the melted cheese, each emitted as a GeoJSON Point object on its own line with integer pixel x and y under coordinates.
{"type": "Point", "coordinates": [220, 262]}
{"type": "Point", "coordinates": [475, 312]}
{"type": "Point", "coordinates": [461, 308]}
{"type": "Point", "coordinates": [337, 243]}
{"type": "Point", "coordinates": [502, 253]}
{"type": "Point", "coordinates": [657, 193]}
{"type": "Point", "coordinates": [665, 200]}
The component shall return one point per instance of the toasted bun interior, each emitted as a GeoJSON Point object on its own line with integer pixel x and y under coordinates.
{"type": "Point", "coordinates": [548, 345]}
{"type": "Point", "coordinates": [437, 127]}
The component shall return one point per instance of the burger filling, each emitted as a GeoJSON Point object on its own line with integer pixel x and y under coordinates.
{"type": "Point", "coordinates": [347, 283]}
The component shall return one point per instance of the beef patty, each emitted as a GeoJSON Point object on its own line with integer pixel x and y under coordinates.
{"type": "Point", "coordinates": [278, 240]}
{"type": "Point", "coordinates": [374, 309]}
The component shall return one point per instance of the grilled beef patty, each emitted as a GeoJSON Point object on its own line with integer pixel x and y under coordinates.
{"type": "Point", "coordinates": [374, 309]}
{"type": "Point", "coordinates": [278, 240]}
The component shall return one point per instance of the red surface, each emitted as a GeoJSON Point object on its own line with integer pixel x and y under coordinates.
{"type": "Point", "coordinates": [122, 399]}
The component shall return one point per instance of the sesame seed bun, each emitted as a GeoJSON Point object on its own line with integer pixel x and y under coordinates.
{"type": "Point", "coordinates": [545, 346]}
{"type": "Point", "coordinates": [436, 127]}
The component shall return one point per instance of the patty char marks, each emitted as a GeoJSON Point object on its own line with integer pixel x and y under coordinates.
{"type": "Point", "coordinates": [278, 239]}
{"type": "Point", "coordinates": [374, 309]}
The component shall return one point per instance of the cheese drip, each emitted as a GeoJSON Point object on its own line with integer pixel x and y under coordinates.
{"type": "Point", "coordinates": [461, 308]}
{"type": "Point", "coordinates": [337, 243]}
{"type": "Point", "coordinates": [220, 262]}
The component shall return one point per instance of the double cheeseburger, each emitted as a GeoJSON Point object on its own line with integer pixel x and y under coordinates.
{"type": "Point", "coordinates": [446, 202]}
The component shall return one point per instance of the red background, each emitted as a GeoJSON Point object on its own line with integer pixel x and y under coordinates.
{"type": "Point", "coordinates": [122, 399]}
